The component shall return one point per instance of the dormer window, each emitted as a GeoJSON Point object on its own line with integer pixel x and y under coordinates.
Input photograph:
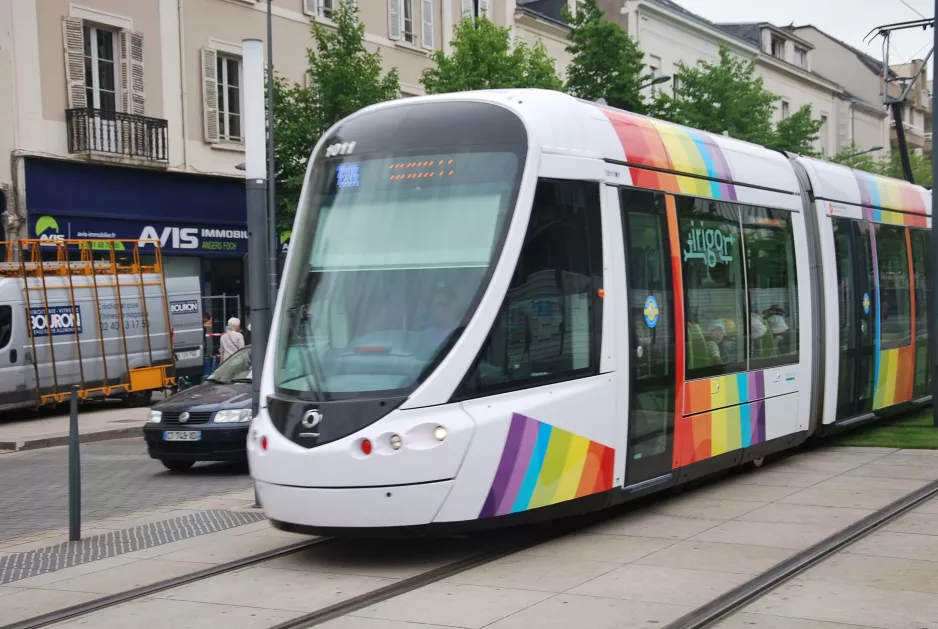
{"type": "Point", "coordinates": [801, 57]}
{"type": "Point", "coordinates": [778, 47]}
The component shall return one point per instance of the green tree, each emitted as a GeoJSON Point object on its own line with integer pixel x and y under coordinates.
{"type": "Point", "coordinates": [484, 58]}
{"type": "Point", "coordinates": [921, 167]}
{"type": "Point", "coordinates": [343, 78]}
{"type": "Point", "coordinates": [297, 127]}
{"type": "Point", "coordinates": [723, 96]}
{"type": "Point", "coordinates": [728, 96]}
{"type": "Point", "coordinates": [606, 61]}
{"type": "Point", "coordinates": [890, 166]}
{"type": "Point", "coordinates": [849, 156]}
{"type": "Point", "coordinates": [797, 133]}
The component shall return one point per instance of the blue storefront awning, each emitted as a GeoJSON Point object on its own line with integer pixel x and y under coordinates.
{"type": "Point", "coordinates": [189, 214]}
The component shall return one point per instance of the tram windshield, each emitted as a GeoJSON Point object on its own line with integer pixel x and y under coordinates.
{"type": "Point", "coordinates": [397, 252]}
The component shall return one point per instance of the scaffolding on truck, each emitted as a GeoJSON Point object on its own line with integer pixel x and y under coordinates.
{"type": "Point", "coordinates": [28, 259]}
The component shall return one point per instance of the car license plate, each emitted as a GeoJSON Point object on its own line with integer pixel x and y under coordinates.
{"type": "Point", "coordinates": [182, 435]}
{"type": "Point", "coordinates": [187, 355]}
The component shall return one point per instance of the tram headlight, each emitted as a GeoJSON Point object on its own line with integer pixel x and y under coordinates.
{"type": "Point", "coordinates": [440, 433]}
{"type": "Point", "coordinates": [154, 417]}
{"type": "Point", "coordinates": [396, 442]}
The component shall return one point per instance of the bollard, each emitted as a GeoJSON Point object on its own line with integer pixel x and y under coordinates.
{"type": "Point", "coordinates": [74, 471]}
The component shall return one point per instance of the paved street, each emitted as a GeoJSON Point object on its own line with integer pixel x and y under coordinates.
{"type": "Point", "coordinates": [118, 478]}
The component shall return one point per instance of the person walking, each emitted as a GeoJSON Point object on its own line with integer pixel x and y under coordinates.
{"type": "Point", "coordinates": [232, 340]}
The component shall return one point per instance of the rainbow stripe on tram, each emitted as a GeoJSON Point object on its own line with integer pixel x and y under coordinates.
{"type": "Point", "coordinates": [542, 465]}
{"type": "Point", "coordinates": [890, 201]}
{"type": "Point", "coordinates": [654, 150]}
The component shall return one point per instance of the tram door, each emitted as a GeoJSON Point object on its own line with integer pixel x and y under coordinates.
{"type": "Point", "coordinates": [856, 296]}
{"type": "Point", "coordinates": [651, 325]}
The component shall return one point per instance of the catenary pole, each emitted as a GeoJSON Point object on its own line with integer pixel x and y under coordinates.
{"type": "Point", "coordinates": [933, 279]}
{"type": "Point", "coordinates": [256, 188]}
{"type": "Point", "coordinates": [272, 241]}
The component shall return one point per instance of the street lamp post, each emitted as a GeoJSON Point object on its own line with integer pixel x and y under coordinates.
{"type": "Point", "coordinates": [655, 81]}
{"type": "Point", "coordinates": [872, 150]}
{"type": "Point", "coordinates": [256, 183]}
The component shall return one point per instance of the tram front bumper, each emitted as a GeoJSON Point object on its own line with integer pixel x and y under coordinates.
{"type": "Point", "coordinates": [352, 508]}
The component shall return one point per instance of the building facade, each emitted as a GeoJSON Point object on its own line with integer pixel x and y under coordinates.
{"type": "Point", "coordinates": [669, 35]}
{"type": "Point", "coordinates": [862, 120]}
{"type": "Point", "coordinates": [123, 119]}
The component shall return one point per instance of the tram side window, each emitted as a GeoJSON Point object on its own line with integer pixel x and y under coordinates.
{"type": "Point", "coordinates": [773, 287]}
{"type": "Point", "coordinates": [895, 301]}
{"type": "Point", "coordinates": [549, 326]}
{"type": "Point", "coordinates": [714, 287]}
{"type": "Point", "coordinates": [921, 258]}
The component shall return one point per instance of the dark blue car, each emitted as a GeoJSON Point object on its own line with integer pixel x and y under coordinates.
{"type": "Point", "coordinates": [208, 422]}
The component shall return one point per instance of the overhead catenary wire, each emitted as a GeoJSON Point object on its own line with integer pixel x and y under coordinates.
{"type": "Point", "coordinates": [913, 9]}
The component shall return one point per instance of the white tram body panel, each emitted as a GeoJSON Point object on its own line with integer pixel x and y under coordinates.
{"type": "Point", "coordinates": [637, 308]}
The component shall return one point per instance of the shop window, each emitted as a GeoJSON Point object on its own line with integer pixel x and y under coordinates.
{"type": "Point", "coordinates": [550, 323]}
{"type": "Point", "coordinates": [773, 287]}
{"type": "Point", "coordinates": [895, 301]}
{"type": "Point", "coordinates": [714, 287]}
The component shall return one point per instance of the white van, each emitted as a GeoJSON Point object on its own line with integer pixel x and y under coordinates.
{"type": "Point", "coordinates": [96, 331]}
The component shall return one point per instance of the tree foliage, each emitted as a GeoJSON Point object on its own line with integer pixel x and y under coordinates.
{"type": "Point", "coordinates": [484, 57]}
{"type": "Point", "coordinates": [606, 62]}
{"type": "Point", "coordinates": [890, 166]}
{"type": "Point", "coordinates": [797, 132]}
{"type": "Point", "coordinates": [343, 78]}
{"type": "Point", "coordinates": [723, 96]}
{"type": "Point", "coordinates": [728, 96]}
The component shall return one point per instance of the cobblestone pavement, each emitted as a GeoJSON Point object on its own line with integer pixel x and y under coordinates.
{"type": "Point", "coordinates": [118, 478]}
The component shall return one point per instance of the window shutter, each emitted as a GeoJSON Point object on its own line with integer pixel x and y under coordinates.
{"type": "Point", "coordinates": [74, 42]}
{"type": "Point", "coordinates": [467, 8]}
{"type": "Point", "coordinates": [310, 6]}
{"type": "Point", "coordinates": [395, 13]}
{"type": "Point", "coordinates": [210, 94]}
{"type": "Point", "coordinates": [426, 33]}
{"type": "Point", "coordinates": [485, 9]}
{"type": "Point", "coordinates": [123, 44]}
{"type": "Point", "coordinates": [137, 102]}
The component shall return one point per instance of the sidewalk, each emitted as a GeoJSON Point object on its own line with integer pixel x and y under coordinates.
{"type": "Point", "coordinates": [26, 430]}
{"type": "Point", "coordinates": [172, 542]}
{"type": "Point", "coordinates": [639, 568]}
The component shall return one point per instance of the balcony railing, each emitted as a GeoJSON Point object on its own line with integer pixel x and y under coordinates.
{"type": "Point", "coordinates": [96, 131]}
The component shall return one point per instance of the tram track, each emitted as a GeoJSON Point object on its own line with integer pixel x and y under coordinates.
{"type": "Point", "coordinates": [100, 604]}
{"type": "Point", "coordinates": [735, 600]}
{"type": "Point", "coordinates": [514, 541]}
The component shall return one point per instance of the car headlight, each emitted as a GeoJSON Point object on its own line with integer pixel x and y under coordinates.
{"type": "Point", "coordinates": [234, 416]}
{"type": "Point", "coordinates": [154, 417]}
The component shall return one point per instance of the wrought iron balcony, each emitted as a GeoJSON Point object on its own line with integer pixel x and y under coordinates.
{"type": "Point", "coordinates": [100, 132]}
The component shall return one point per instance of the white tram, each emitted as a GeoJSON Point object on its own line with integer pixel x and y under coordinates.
{"type": "Point", "coordinates": [512, 305]}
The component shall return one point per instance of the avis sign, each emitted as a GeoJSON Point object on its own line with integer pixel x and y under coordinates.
{"type": "Point", "coordinates": [59, 319]}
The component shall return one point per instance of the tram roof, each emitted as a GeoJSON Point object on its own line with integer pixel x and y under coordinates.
{"type": "Point", "coordinates": [565, 125]}
{"type": "Point", "coordinates": [840, 184]}
{"type": "Point", "coordinates": [674, 158]}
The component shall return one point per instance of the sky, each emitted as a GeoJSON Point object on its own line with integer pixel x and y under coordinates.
{"type": "Point", "coordinates": [847, 20]}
